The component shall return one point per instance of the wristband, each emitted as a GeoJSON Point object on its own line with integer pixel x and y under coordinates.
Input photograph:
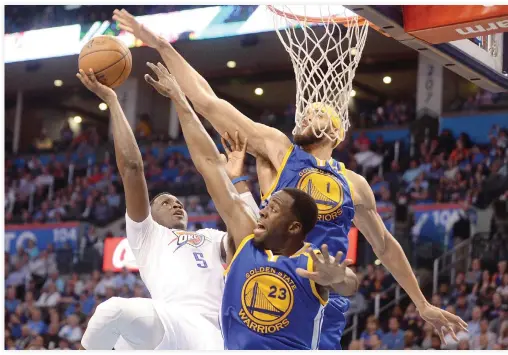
{"type": "Point", "coordinates": [238, 179]}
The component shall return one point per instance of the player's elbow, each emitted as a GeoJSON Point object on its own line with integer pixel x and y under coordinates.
{"type": "Point", "coordinates": [207, 105]}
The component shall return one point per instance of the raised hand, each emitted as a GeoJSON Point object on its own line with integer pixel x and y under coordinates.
{"type": "Point", "coordinates": [90, 81]}
{"type": "Point", "coordinates": [235, 153]}
{"type": "Point", "coordinates": [128, 23]}
{"type": "Point", "coordinates": [444, 322]}
{"type": "Point", "coordinates": [166, 83]}
{"type": "Point", "coordinates": [327, 271]}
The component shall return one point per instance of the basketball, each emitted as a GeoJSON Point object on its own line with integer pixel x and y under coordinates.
{"type": "Point", "coordinates": [109, 58]}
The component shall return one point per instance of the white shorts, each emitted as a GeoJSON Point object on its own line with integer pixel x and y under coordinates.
{"type": "Point", "coordinates": [184, 329]}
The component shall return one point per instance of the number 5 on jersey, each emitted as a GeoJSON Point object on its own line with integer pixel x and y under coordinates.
{"type": "Point", "coordinates": [200, 260]}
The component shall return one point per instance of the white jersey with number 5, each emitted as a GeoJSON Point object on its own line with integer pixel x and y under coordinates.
{"type": "Point", "coordinates": [178, 267]}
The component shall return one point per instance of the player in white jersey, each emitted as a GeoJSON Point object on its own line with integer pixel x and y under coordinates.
{"type": "Point", "coordinates": [181, 269]}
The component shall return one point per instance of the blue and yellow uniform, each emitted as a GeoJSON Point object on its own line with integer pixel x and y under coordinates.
{"type": "Point", "coordinates": [326, 183]}
{"type": "Point", "coordinates": [267, 305]}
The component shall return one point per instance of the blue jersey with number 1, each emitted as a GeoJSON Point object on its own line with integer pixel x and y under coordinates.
{"type": "Point", "coordinates": [326, 183]}
{"type": "Point", "coordinates": [267, 305]}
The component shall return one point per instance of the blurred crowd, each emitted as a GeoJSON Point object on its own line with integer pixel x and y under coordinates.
{"type": "Point", "coordinates": [25, 18]}
{"type": "Point", "coordinates": [479, 296]}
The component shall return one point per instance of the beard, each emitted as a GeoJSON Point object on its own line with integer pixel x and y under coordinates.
{"type": "Point", "coordinates": [304, 140]}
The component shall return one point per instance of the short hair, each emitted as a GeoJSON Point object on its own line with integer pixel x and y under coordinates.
{"type": "Point", "coordinates": [304, 208]}
{"type": "Point", "coordinates": [155, 197]}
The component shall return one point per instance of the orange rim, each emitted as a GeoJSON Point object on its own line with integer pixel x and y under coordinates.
{"type": "Point", "coordinates": [336, 19]}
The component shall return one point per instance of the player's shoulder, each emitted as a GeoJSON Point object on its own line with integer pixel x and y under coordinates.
{"type": "Point", "coordinates": [361, 189]}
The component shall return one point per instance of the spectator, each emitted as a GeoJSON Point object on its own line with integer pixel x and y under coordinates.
{"type": "Point", "coordinates": [71, 331]}
{"type": "Point", "coordinates": [473, 325]}
{"type": "Point", "coordinates": [474, 275]}
{"type": "Point", "coordinates": [50, 297]}
{"type": "Point", "coordinates": [36, 324]}
{"type": "Point", "coordinates": [11, 302]}
{"type": "Point", "coordinates": [125, 278]}
{"type": "Point", "coordinates": [371, 329]}
{"type": "Point", "coordinates": [410, 341]}
{"type": "Point", "coordinates": [486, 339]}
{"type": "Point", "coordinates": [51, 338]}
{"type": "Point", "coordinates": [394, 338]}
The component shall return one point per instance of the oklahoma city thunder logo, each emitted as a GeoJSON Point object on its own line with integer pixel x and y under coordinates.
{"type": "Point", "coordinates": [188, 238]}
{"type": "Point", "coordinates": [267, 299]}
{"type": "Point", "coordinates": [326, 190]}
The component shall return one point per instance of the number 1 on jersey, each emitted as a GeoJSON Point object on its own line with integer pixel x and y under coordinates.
{"type": "Point", "coordinates": [200, 261]}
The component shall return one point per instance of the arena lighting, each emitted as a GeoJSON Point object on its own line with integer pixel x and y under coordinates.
{"type": "Point", "coordinates": [352, 93]}
{"type": "Point", "coordinates": [231, 64]}
{"type": "Point", "coordinates": [258, 91]}
{"type": "Point", "coordinates": [77, 119]}
{"type": "Point", "coordinates": [58, 82]}
{"type": "Point", "coordinates": [387, 80]}
{"type": "Point", "coordinates": [353, 51]}
{"type": "Point", "coordinates": [377, 262]}
{"type": "Point", "coordinates": [103, 106]}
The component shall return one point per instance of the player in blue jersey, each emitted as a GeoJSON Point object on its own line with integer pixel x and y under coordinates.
{"type": "Point", "coordinates": [276, 286]}
{"type": "Point", "coordinates": [343, 197]}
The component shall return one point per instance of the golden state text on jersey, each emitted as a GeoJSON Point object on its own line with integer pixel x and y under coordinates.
{"type": "Point", "coordinates": [266, 304]}
{"type": "Point", "coordinates": [326, 183]}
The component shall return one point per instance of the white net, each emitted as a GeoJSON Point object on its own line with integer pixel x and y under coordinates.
{"type": "Point", "coordinates": [325, 44]}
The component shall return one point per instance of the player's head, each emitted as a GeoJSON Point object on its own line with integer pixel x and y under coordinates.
{"type": "Point", "coordinates": [168, 211]}
{"type": "Point", "coordinates": [286, 219]}
{"type": "Point", "coordinates": [320, 117]}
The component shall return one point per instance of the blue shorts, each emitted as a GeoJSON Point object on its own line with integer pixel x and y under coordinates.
{"type": "Point", "coordinates": [334, 322]}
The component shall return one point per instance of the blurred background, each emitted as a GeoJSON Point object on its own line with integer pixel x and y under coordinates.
{"type": "Point", "coordinates": [440, 177]}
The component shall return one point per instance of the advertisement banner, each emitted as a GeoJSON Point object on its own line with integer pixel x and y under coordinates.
{"type": "Point", "coordinates": [429, 87]}
{"type": "Point", "coordinates": [445, 23]}
{"type": "Point", "coordinates": [58, 234]}
{"type": "Point", "coordinates": [433, 222]}
{"type": "Point", "coordinates": [118, 254]}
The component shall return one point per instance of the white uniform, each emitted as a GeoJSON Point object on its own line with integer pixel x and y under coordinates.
{"type": "Point", "coordinates": [183, 272]}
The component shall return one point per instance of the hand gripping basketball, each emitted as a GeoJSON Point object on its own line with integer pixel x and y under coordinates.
{"type": "Point", "coordinates": [104, 92]}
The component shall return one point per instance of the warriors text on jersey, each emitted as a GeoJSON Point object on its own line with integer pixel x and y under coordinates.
{"type": "Point", "coordinates": [326, 183]}
{"type": "Point", "coordinates": [266, 304]}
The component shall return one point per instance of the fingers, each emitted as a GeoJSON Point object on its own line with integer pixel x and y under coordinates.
{"type": "Point", "coordinates": [230, 142]}
{"type": "Point", "coordinates": [127, 14]}
{"type": "Point", "coordinates": [163, 69]}
{"type": "Point", "coordinates": [441, 335]}
{"type": "Point", "coordinates": [307, 274]}
{"type": "Point", "coordinates": [237, 142]}
{"type": "Point", "coordinates": [83, 77]}
{"type": "Point", "coordinates": [244, 148]}
{"type": "Point", "coordinates": [347, 263]}
{"type": "Point", "coordinates": [452, 332]}
{"type": "Point", "coordinates": [155, 69]}
{"type": "Point", "coordinates": [313, 256]}
{"type": "Point", "coordinates": [326, 255]}
{"type": "Point", "coordinates": [459, 322]}
{"type": "Point", "coordinates": [91, 75]}
{"type": "Point", "coordinates": [225, 145]}
{"type": "Point", "coordinates": [150, 80]}
{"type": "Point", "coordinates": [125, 28]}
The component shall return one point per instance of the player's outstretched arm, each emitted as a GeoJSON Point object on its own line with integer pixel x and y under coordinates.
{"type": "Point", "coordinates": [329, 273]}
{"type": "Point", "coordinates": [389, 251]}
{"type": "Point", "coordinates": [223, 116]}
{"type": "Point", "coordinates": [128, 156]}
{"type": "Point", "coordinates": [207, 159]}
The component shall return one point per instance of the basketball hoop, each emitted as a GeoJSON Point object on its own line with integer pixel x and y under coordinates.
{"type": "Point", "coordinates": [325, 44]}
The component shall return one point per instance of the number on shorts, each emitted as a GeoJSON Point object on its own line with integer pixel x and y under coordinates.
{"type": "Point", "coordinates": [200, 261]}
